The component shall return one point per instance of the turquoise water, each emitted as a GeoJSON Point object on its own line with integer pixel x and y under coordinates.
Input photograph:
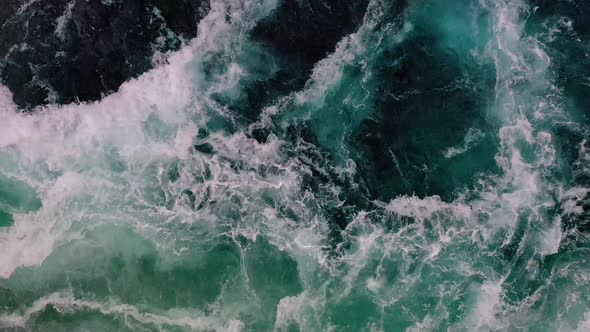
{"type": "Point", "coordinates": [431, 175]}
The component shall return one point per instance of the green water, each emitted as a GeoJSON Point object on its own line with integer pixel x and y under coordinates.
{"type": "Point", "coordinates": [431, 175]}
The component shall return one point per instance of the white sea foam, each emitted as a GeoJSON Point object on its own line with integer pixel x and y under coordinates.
{"type": "Point", "coordinates": [74, 141]}
{"type": "Point", "coordinates": [63, 20]}
{"type": "Point", "coordinates": [290, 310]}
{"type": "Point", "coordinates": [426, 208]}
{"type": "Point", "coordinates": [63, 139]}
{"type": "Point", "coordinates": [487, 304]}
{"type": "Point", "coordinates": [471, 139]}
{"type": "Point", "coordinates": [349, 51]}
{"type": "Point", "coordinates": [133, 316]}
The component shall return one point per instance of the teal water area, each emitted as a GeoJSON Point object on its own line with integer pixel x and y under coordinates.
{"type": "Point", "coordinates": [429, 174]}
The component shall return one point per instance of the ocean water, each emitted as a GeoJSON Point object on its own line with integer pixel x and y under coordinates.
{"type": "Point", "coordinates": [432, 174]}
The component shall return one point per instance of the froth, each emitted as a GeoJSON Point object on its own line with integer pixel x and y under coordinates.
{"type": "Point", "coordinates": [133, 316]}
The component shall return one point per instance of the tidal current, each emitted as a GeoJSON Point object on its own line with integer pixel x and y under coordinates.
{"type": "Point", "coordinates": [430, 172]}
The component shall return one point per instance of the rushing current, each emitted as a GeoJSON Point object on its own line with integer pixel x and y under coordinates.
{"type": "Point", "coordinates": [429, 172]}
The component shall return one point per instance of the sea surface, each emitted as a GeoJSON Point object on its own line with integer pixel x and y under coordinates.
{"type": "Point", "coordinates": [431, 172]}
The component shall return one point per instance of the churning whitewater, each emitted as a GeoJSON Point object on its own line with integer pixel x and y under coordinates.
{"type": "Point", "coordinates": [429, 172]}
